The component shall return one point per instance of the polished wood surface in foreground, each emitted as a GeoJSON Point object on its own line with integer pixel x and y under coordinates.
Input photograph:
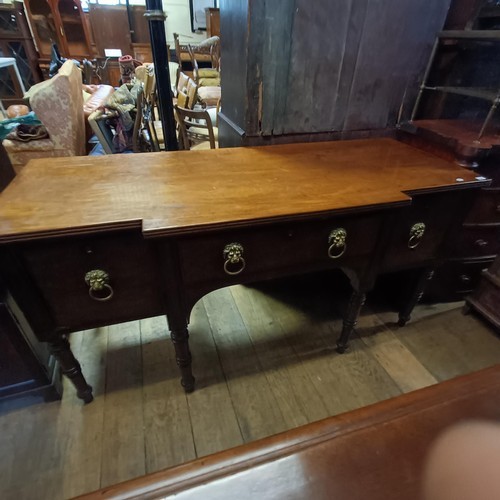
{"type": "Point", "coordinates": [376, 452]}
{"type": "Point", "coordinates": [178, 191]}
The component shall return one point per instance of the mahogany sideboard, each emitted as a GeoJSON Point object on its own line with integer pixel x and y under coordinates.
{"type": "Point", "coordinates": [89, 241]}
{"type": "Point", "coordinates": [377, 452]}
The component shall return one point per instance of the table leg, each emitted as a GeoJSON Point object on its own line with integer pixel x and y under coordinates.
{"type": "Point", "coordinates": [60, 348]}
{"type": "Point", "coordinates": [417, 293]}
{"type": "Point", "coordinates": [180, 339]}
{"type": "Point", "coordinates": [351, 318]}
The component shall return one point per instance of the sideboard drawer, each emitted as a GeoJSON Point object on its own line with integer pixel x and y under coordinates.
{"type": "Point", "coordinates": [271, 251]}
{"type": "Point", "coordinates": [58, 269]}
{"type": "Point", "coordinates": [420, 229]}
{"type": "Point", "coordinates": [478, 241]}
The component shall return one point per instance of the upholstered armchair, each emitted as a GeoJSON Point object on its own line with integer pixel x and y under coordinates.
{"type": "Point", "coordinates": [58, 103]}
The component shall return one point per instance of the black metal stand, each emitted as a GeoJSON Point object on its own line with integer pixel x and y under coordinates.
{"type": "Point", "coordinates": [156, 19]}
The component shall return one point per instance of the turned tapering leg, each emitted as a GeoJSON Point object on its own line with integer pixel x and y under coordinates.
{"type": "Point", "coordinates": [70, 367]}
{"type": "Point", "coordinates": [180, 339]}
{"type": "Point", "coordinates": [405, 313]}
{"type": "Point", "coordinates": [351, 318]}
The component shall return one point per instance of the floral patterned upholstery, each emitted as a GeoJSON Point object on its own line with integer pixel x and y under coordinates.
{"type": "Point", "coordinates": [58, 103]}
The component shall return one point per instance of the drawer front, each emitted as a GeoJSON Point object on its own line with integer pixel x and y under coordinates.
{"type": "Point", "coordinates": [276, 250]}
{"type": "Point", "coordinates": [420, 230]}
{"type": "Point", "coordinates": [486, 209]}
{"type": "Point", "coordinates": [455, 279]}
{"type": "Point", "coordinates": [58, 269]}
{"type": "Point", "coordinates": [478, 241]}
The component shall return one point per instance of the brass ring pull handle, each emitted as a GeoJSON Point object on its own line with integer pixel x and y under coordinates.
{"type": "Point", "coordinates": [337, 243]}
{"type": "Point", "coordinates": [98, 280]}
{"type": "Point", "coordinates": [416, 234]}
{"type": "Point", "coordinates": [233, 256]}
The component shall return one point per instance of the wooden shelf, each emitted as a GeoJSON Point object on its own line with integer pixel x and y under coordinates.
{"type": "Point", "coordinates": [480, 93]}
{"type": "Point", "coordinates": [471, 34]}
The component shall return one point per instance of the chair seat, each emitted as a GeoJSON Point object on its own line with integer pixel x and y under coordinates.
{"type": "Point", "coordinates": [38, 145]}
{"type": "Point", "coordinates": [209, 82]}
{"type": "Point", "coordinates": [204, 132]}
{"type": "Point", "coordinates": [21, 152]}
{"type": "Point", "coordinates": [208, 73]}
{"type": "Point", "coordinates": [209, 95]}
{"type": "Point", "coordinates": [201, 146]}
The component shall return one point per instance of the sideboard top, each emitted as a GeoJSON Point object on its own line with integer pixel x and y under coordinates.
{"type": "Point", "coordinates": [168, 193]}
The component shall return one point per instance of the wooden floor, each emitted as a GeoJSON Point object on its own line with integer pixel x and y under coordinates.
{"type": "Point", "coordinates": [265, 362]}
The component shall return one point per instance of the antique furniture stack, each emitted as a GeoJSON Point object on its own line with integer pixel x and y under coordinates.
{"type": "Point", "coordinates": [151, 235]}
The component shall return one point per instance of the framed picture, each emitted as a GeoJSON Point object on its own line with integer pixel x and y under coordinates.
{"type": "Point", "coordinates": [197, 11]}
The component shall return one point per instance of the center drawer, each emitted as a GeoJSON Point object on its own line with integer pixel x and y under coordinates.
{"type": "Point", "coordinates": [263, 252]}
{"type": "Point", "coordinates": [59, 269]}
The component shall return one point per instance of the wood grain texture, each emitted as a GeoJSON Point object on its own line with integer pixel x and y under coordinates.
{"type": "Point", "coordinates": [168, 433]}
{"type": "Point", "coordinates": [385, 49]}
{"type": "Point", "coordinates": [164, 194]}
{"type": "Point", "coordinates": [123, 434]}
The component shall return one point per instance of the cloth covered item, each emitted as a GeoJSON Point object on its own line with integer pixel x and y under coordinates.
{"type": "Point", "coordinates": [124, 100]}
{"type": "Point", "coordinates": [7, 126]}
{"type": "Point", "coordinates": [208, 42]}
{"type": "Point", "coordinates": [25, 132]}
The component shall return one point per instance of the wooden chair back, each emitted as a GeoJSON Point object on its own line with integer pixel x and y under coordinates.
{"type": "Point", "coordinates": [191, 91]}
{"type": "Point", "coordinates": [182, 82]}
{"type": "Point", "coordinates": [192, 127]}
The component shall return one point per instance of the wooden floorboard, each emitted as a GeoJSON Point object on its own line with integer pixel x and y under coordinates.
{"type": "Point", "coordinates": [264, 360]}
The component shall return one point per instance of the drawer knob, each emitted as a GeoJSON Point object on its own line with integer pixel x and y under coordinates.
{"type": "Point", "coordinates": [481, 243]}
{"type": "Point", "coordinates": [234, 263]}
{"type": "Point", "coordinates": [98, 282]}
{"type": "Point", "coordinates": [498, 208]}
{"type": "Point", "coordinates": [465, 278]}
{"type": "Point", "coordinates": [337, 243]}
{"type": "Point", "coordinates": [416, 234]}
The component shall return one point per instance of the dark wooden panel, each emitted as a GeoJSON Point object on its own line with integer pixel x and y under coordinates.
{"type": "Point", "coordinates": [344, 67]}
{"type": "Point", "coordinates": [278, 37]}
{"type": "Point", "coordinates": [396, 43]}
{"type": "Point", "coordinates": [234, 43]}
{"type": "Point", "coordinates": [319, 52]}
{"type": "Point", "coordinates": [140, 24]}
{"type": "Point", "coordinates": [110, 28]}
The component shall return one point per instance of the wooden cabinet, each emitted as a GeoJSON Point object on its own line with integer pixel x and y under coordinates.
{"type": "Point", "coordinates": [27, 370]}
{"type": "Point", "coordinates": [213, 21]}
{"type": "Point", "coordinates": [61, 22]}
{"type": "Point", "coordinates": [486, 297]}
{"type": "Point", "coordinates": [455, 116]}
{"type": "Point", "coordinates": [16, 42]}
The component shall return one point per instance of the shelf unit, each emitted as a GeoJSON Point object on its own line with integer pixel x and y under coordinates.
{"type": "Point", "coordinates": [61, 22]}
{"type": "Point", "coordinates": [492, 95]}
{"type": "Point", "coordinates": [16, 42]}
{"type": "Point", "coordinates": [455, 116]}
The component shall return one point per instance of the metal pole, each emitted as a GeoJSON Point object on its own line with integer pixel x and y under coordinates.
{"type": "Point", "coordinates": [156, 18]}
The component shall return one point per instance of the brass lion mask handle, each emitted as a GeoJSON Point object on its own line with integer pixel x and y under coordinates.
{"type": "Point", "coordinates": [98, 281]}
{"type": "Point", "coordinates": [234, 263]}
{"type": "Point", "coordinates": [337, 243]}
{"type": "Point", "coordinates": [416, 234]}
